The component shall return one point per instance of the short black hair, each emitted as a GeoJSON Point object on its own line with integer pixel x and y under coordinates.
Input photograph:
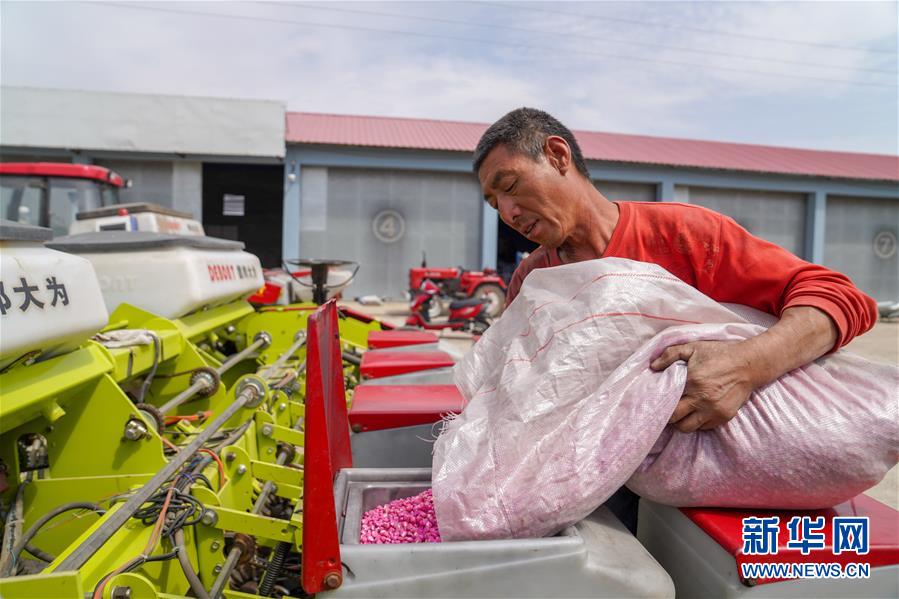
{"type": "Point", "coordinates": [524, 131]}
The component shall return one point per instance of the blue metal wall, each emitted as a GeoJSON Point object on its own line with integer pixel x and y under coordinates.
{"type": "Point", "coordinates": [666, 179]}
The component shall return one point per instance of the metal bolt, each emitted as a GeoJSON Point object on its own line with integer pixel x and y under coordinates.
{"type": "Point", "coordinates": [333, 580]}
{"type": "Point", "coordinates": [267, 430]}
{"type": "Point", "coordinates": [282, 406]}
{"type": "Point", "coordinates": [215, 546]}
{"type": "Point", "coordinates": [229, 457]}
{"type": "Point", "coordinates": [270, 450]}
{"type": "Point", "coordinates": [217, 569]}
{"type": "Point", "coordinates": [121, 593]}
{"type": "Point", "coordinates": [242, 469]}
{"type": "Point", "coordinates": [230, 328]}
{"type": "Point", "coordinates": [252, 390]}
{"type": "Point", "coordinates": [265, 337]}
{"type": "Point", "coordinates": [210, 517]}
{"type": "Point", "coordinates": [135, 430]}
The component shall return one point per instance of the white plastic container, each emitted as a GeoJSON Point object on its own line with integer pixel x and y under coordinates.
{"type": "Point", "coordinates": [136, 217]}
{"type": "Point", "coordinates": [51, 301]}
{"type": "Point", "coordinates": [597, 557]}
{"type": "Point", "coordinates": [168, 275]}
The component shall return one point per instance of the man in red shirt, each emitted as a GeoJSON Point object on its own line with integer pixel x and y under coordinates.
{"type": "Point", "coordinates": [532, 172]}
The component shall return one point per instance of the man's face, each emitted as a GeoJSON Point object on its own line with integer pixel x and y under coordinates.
{"type": "Point", "coordinates": [529, 195]}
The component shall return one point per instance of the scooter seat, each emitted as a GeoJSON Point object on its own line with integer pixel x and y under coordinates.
{"type": "Point", "coordinates": [466, 303]}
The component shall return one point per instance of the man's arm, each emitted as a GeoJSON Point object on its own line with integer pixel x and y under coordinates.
{"type": "Point", "coordinates": [722, 375]}
{"type": "Point", "coordinates": [820, 310]}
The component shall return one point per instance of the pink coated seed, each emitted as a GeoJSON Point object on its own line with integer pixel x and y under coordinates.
{"type": "Point", "coordinates": [408, 520]}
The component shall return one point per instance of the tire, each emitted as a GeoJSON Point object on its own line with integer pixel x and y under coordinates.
{"type": "Point", "coordinates": [435, 308]}
{"type": "Point", "coordinates": [496, 295]}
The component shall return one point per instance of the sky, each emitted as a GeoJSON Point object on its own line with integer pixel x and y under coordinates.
{"type": "Point", "coordinates": [819, 75]}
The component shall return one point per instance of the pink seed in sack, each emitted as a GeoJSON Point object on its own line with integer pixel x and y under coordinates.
{"type": "Point", "coordinates": [408, 520]}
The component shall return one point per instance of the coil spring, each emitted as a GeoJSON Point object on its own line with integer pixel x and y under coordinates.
{"type": "Point", "coordinates": [275, 566]}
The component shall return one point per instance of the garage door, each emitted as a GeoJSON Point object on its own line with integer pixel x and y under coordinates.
{"type": "Point", "coordinates": [860, 241]}
{"type": "Point", "coordinates": [385, 219]}
{"type": "Point", "coordinates": [774, 216]}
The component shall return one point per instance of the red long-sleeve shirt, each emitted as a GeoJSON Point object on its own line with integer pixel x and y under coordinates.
{"type": "Point", "coordinates": [714, 254]}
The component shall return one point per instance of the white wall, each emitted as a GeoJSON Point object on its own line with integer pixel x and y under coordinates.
{"type": "Point", "coordinates": [80, 120]}
{"type": "Point", "coordinates": [178, 185]}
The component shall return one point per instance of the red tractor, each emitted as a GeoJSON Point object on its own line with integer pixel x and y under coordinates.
{"type": "Point", "coordinates": [49, 194]}
{"type": "Point", "coordinates": [458, 283]}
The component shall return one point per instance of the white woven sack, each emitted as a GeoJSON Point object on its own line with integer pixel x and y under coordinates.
{"type": "Point", "coordinates": [563, 409]}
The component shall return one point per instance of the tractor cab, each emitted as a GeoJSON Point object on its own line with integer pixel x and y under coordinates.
{"type": "Point", "coordinates": [49, 194]}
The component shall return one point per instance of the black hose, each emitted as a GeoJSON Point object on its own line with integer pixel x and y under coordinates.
{"type": "Point", "coordinates": [275, 567]}
{"type": "Point", "coordinates": [190, 574]}
{"type": "Point", "coordinates": [352, 358]}
{"type": "Point", "coordinates": [196, 585]}
{"type": "Point", "coordinates": [39, 553]}
{"type": "Point", "coordinates": [36, 527]}
{"type": "Point", "coordinates": [157, 356]}
{"type": "Point", "coordinates": [11, 529]}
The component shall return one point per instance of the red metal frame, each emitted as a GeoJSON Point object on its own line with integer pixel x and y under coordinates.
{"type": "Point", "coordinates": [267, 294]}
{"type": "Point", "coordinates": [386, 339]}
{"type": "Point", "coordinates": [377, 407]}
{"type": "Point", "coordinates": [344, 311]}
{"type": "Point", "coordinates": [725, 526]}
{"type": "Point", "coordinates": [380, 363]}
{"type": "Point", "coordinates": [327, 450]}
{"type": "Point", "coordinates": [60, 169]}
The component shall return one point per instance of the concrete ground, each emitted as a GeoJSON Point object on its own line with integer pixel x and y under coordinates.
{"type": "Point", "coordinates": [881, 344]}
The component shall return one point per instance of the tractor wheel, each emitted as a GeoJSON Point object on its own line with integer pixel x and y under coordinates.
{"type": "Point", "coordinates": [496, 296]}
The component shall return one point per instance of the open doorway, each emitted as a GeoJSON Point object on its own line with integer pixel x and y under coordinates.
{"type": "Point", "coordinates": [511, 248]}
{"type": "Point", "coordinates": [245, 202]}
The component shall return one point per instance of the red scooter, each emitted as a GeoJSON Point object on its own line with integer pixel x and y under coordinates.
{"type": "Point", "coordinates": [458, 283]}
{"type": "Point", "coordinates": [464, 315]}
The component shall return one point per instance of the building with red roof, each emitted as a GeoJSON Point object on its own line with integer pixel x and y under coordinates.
{"type": "Point", "coordinates": [414, 176]}
{"type": "Point", "coordinates": [384, 190]}
{"type": "Point", "coordinates": [455, 136]}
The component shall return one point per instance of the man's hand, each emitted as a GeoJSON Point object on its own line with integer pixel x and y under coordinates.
{"type": "Point", "coordinates": [719, 381]}
{"type": "Point", "coordinates": [722, 374]}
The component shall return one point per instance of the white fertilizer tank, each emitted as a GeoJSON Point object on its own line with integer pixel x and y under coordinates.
{"type": "Point", "coordinates": [168, 275]}
{"type": "Point", "coordinates": [50, 302]}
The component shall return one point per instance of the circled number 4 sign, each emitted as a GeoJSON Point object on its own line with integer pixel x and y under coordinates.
{"type": "Point", "coordinates": [885, 245]}
{"type": "Point", "coordinates": [388, 226]}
